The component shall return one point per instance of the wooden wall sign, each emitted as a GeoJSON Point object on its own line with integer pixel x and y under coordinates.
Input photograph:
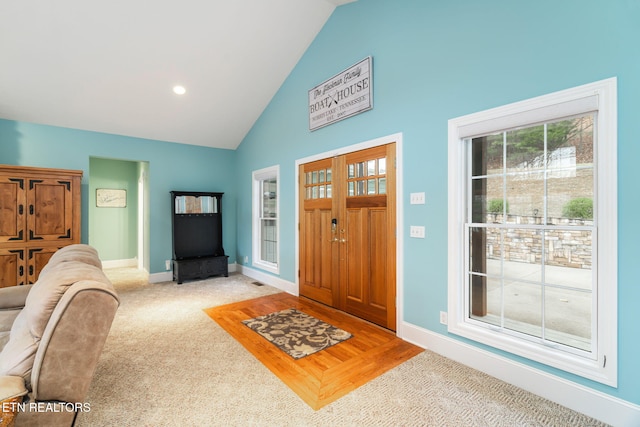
{"type": "Point", "coordinates": [344, 95]}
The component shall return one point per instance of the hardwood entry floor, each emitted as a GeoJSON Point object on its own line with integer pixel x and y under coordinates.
{"type": "Point", "coordinates": [323, 377]}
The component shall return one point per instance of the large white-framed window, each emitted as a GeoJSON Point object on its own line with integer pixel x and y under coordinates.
{"type": "Point", "coordinates": [533, 229]}
{"type": "Point", "coordinates": [265, 230]}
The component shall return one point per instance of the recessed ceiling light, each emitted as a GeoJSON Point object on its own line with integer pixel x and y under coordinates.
{"type": "Point", "coordinates": [179, 90]}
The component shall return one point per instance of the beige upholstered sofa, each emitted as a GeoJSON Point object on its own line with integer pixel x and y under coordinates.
{"type": "Point", "coordinates": [51, 336]}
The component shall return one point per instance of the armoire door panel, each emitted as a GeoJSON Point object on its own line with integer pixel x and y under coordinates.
{"type": "Point", "coordinates": [50, 209]}
{"type": "Point", "coordinates": [13, 267]}
{"type": "Point", "coordinates": [12, 209]}
{"type": "Point", "coordinates": [37, 258]}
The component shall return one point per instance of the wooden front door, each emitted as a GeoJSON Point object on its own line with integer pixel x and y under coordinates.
{"type": "Point", "coordinates": [347, 233]}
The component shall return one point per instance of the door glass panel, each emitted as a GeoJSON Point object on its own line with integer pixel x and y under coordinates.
{"type": "Point", "coordinates": [316, 184]}
{"type": "Point", "coordinates": [352, 191]}
{"type": "Point", "coordinates": [371, 186]}
{"type": "Point", "coordinates": [360, 188]}
{"type": "Point", "coordinates": [371, 167]}
{"type": "Point", "coordinates": [382, 186]}
{"type": "Point", "coordinates": [351, 171]}
{"type": "Point", "coordinates": [382, 166]}
{"type": "Point", "coordinates": [360, 169]}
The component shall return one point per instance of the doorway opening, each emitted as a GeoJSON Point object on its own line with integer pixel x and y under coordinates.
{"type": "Point", "coordinates": [119, 231]}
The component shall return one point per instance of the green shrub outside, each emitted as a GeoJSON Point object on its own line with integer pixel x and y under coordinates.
{"type": "Point", "coordinates": [496, 206]}
{"type": "Point", "coordinates": [582, 207]}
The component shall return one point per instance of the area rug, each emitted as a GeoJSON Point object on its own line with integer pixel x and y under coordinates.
{"type": "Point", "coordinates": [296, 333]}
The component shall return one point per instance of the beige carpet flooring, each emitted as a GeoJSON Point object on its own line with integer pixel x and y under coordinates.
{"type": "Point", "coordinates": [166, 363]}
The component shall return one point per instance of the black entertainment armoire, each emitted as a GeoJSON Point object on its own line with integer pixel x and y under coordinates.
{"type": "Point", "coordinates": [196, 222]}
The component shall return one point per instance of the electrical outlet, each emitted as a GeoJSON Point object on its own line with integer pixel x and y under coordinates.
{"type": "Point", "coordinates": [444, 317]}
{"type": "Point", "coordinates": [246, 259]}
{"type": "Point", "coordinates": [416, 231]}
{"type": "Point", "coordinates": [167, 264]}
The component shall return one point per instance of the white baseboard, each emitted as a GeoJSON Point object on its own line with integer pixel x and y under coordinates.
{"type": "Point", "coordinates": [270, 280]}
{"type": "Point", "coordinates": [120, 263]}
{"type": "Point", "coordinates": [165, 276]}
{"type": "Point", "coordinates": [604, 407]}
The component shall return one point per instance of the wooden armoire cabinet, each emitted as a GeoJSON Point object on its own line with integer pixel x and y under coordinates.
{"type": "Point", "coordinates": [39, 214]}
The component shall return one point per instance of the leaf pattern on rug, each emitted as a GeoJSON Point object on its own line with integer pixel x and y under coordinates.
{"type": "Point", "coordinates": [296, 333]}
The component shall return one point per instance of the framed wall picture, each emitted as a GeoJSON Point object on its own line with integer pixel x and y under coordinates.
{"type": "Point", "coordinates": [111, 198]}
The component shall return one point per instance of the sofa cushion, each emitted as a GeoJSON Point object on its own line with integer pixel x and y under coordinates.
{"type": "Point", "coordinates": [4, 339]}
{"type": "Point", "coordinates": [14, 297]}
{"type": "Point", "coordinates": [50, 287]}
{"type": "Point", "coordinates": [19, 352]}
{"type": "Point", "coordinates": [76, 252]}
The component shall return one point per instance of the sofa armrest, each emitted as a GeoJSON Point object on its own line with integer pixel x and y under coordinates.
{"type": "Point", "coordinates": [14, 297]}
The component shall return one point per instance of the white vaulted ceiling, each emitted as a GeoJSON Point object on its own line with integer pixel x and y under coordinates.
{"type": "Point", "coordinates": [110, 66]}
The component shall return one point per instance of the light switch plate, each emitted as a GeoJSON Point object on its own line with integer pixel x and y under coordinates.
{"type": "Point", "coordinates": [417, 198]}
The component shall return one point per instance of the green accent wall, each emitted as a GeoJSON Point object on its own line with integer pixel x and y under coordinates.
{"type": "Point", "coordinates": [114, 231]}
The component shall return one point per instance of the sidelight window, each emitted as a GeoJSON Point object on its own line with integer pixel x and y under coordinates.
{"type": "Point", "coordinates": [265, 213]}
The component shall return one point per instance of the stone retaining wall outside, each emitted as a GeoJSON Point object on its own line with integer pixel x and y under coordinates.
{"type": "Point", "coordinates": [563, 247]}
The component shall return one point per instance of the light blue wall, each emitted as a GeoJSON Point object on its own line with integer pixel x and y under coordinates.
{"type": "Point", "coordinates": [113, 231]}
{"type": "Point", "coordinates": [440, 59]}
{"type": "Point", "coordinates": [171, 167]}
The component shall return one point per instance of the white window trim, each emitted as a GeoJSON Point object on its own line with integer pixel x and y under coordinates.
{"type": "Point", "coordinates": [257, 177]}
{"type": "Point", "coordinates": [600, 96]}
